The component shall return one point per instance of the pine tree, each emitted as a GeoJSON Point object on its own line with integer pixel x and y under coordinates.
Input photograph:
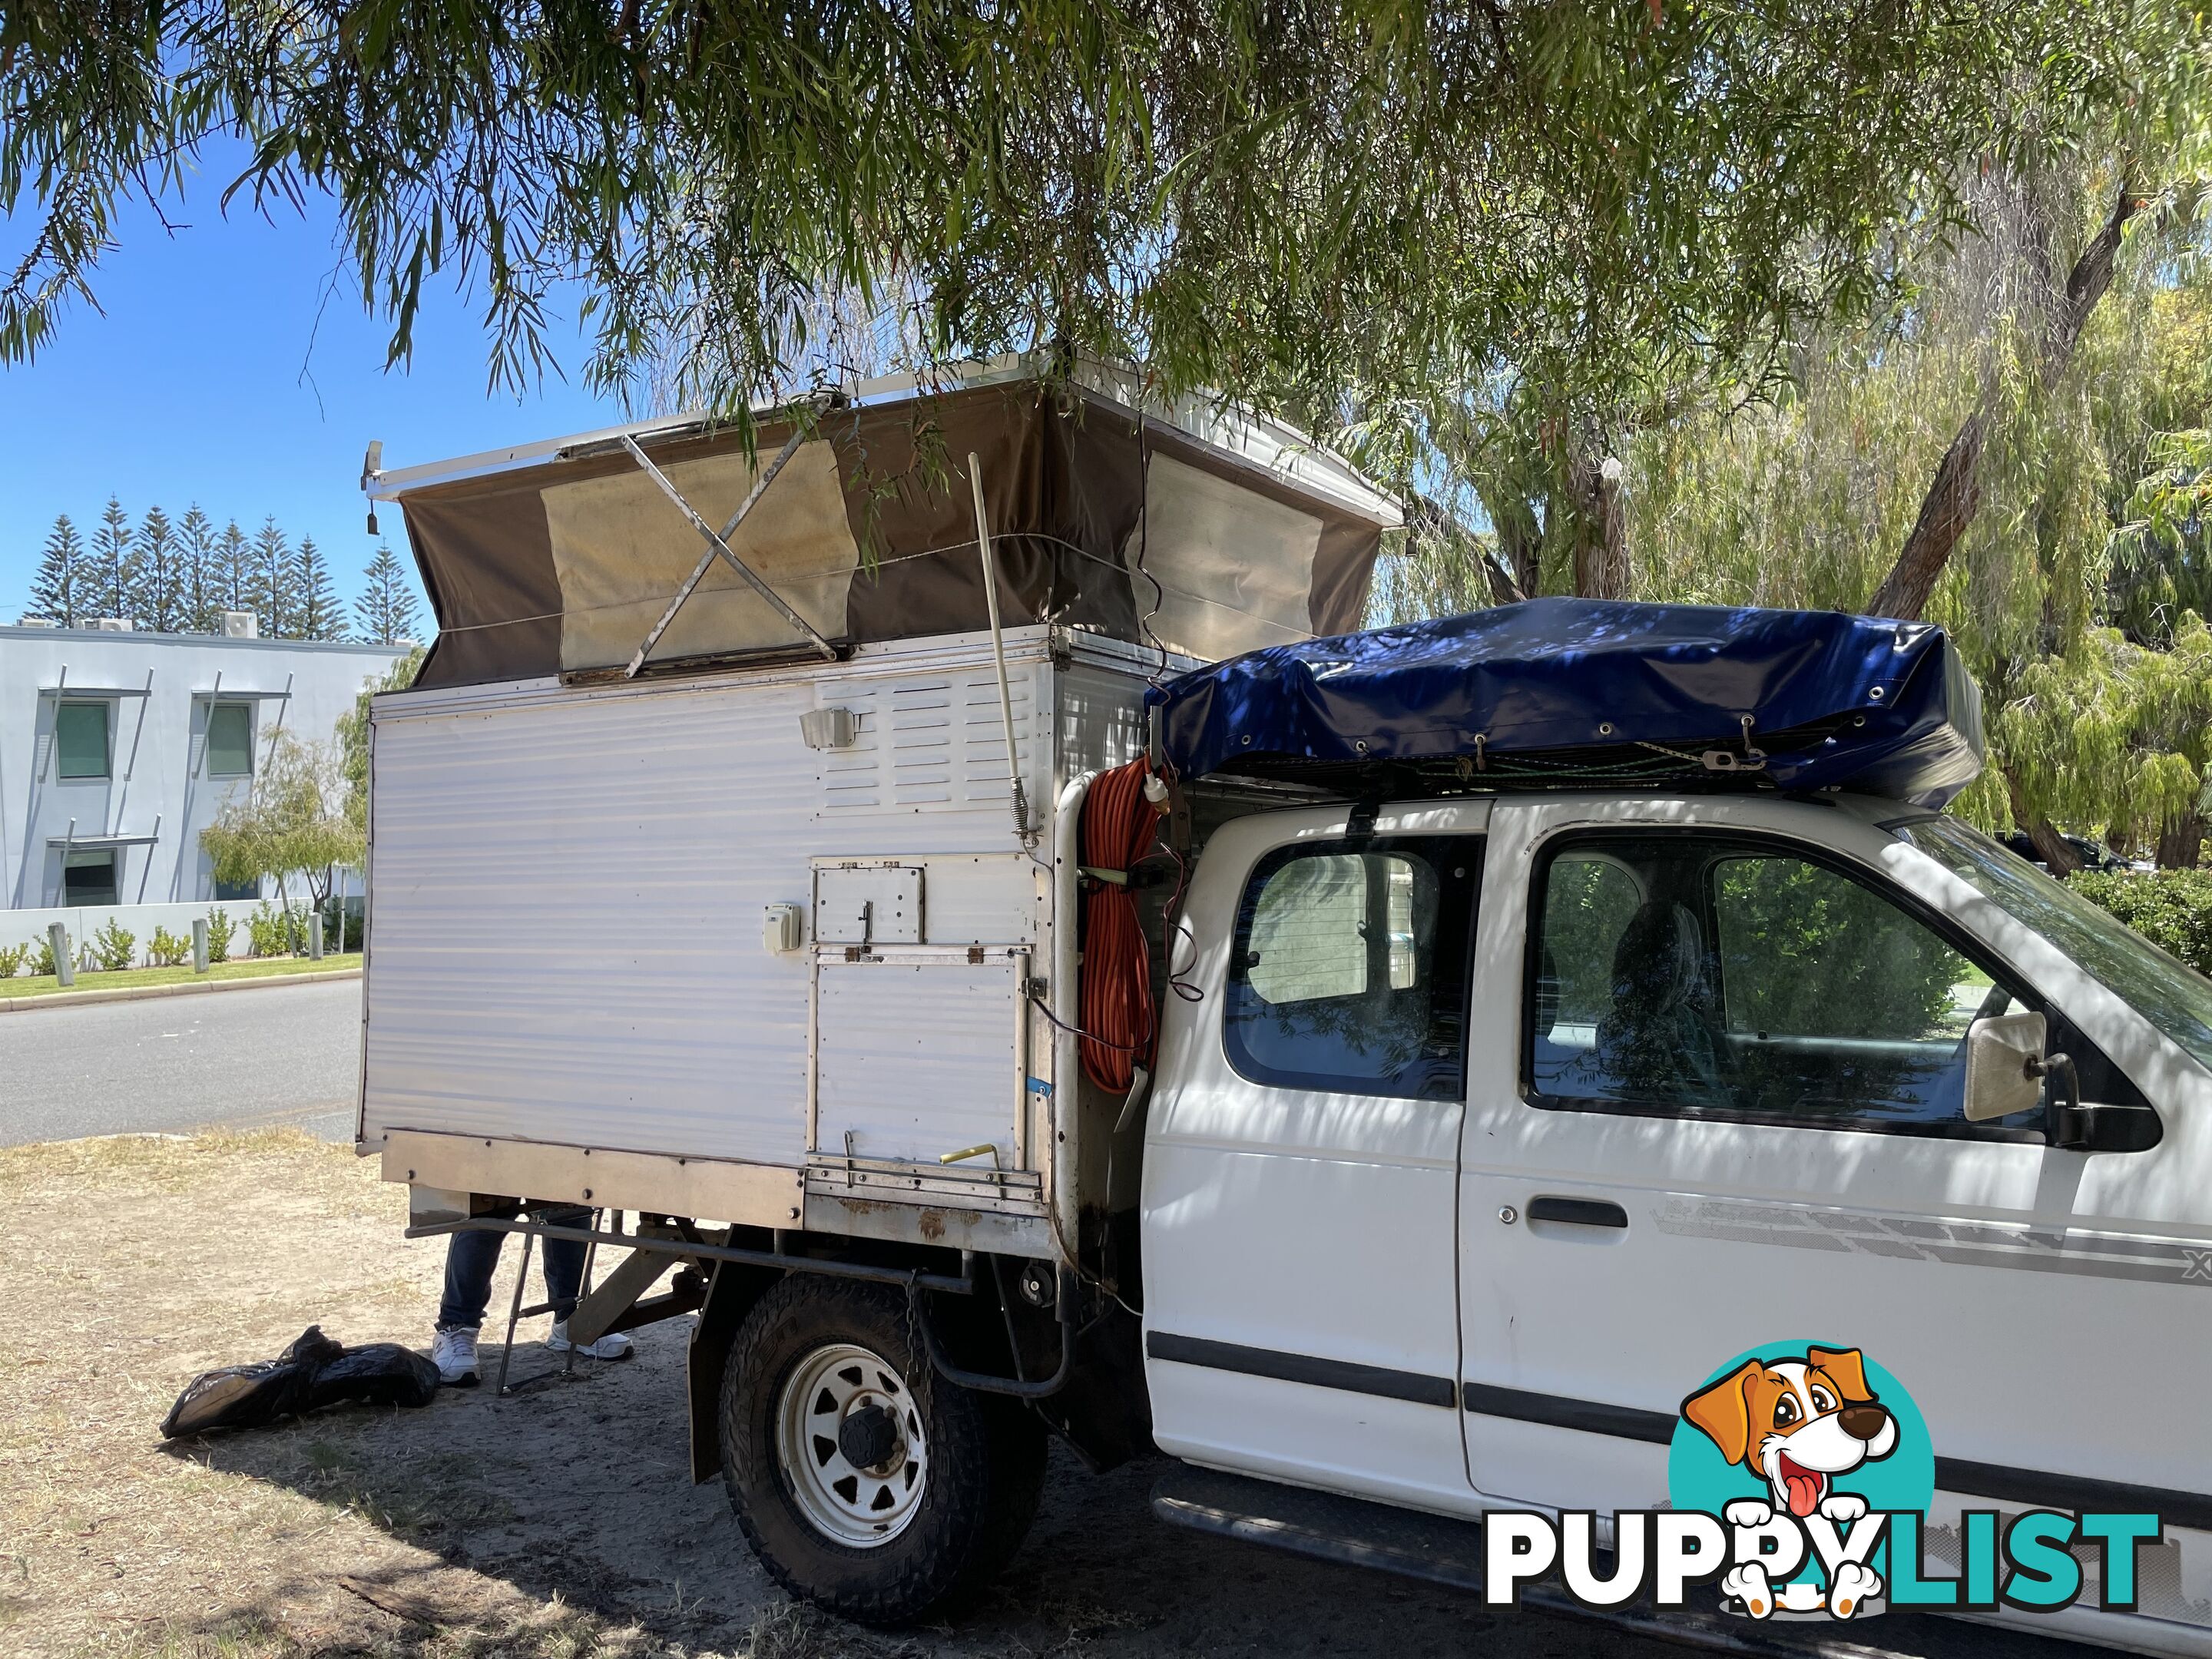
{"type": "Point", "coordinates": [58, 591]}
{"type": "Point", "coordinates": [234, 570]}
{"type": "Point", "coordinates": [114, 564]}
{"type": "Point", "coordinates": [201, 599]}
{"type": "Point", "coordinates": [269, 588]}
{"type": "Point", "coordinates": [316, 613]}
{"type": "Point", "coordinates": [157, 584]}
{"type": "Point", "coordinates": [385, 608]}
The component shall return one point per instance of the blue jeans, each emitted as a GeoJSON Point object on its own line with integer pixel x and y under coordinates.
{"type": "Point", "coordinates": [471, 1259]}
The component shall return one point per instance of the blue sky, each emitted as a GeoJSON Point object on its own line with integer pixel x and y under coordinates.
{"type": "Point", "coordinates": [235, 367]}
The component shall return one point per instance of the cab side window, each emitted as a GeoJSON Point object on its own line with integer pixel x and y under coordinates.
{"type": "Point", "coordinates": [1709, 975]}
{"type": "Point", "coordinates": [1348, 971]}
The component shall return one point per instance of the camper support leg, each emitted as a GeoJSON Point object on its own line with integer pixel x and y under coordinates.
{"type": "Point", "coordinates": [717, 545]}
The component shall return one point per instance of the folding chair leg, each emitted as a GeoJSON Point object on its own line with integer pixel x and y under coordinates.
{"type": "Point", "coordinates": [591, 1255]}
{"type": "Point", "coordinates": [514, 1313]}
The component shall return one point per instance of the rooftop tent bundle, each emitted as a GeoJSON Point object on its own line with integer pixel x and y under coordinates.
{"type": "Point", "coordinates": [1594, 691]}
{"type": "Point", "coordinates": [1190, 526]}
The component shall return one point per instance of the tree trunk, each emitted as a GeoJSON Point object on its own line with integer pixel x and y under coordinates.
{"type": "Point", "coordinates": [2056, 852]}
{"type": "Point", "coordinates": [1600, 536]}
{"type": "Point", "coordinates": [1956, 496]}
{"type": "Point", "coordinates": [2181, 842]}
{"type": "Point", "coordinates": [1945, 512]}
{"type": "Point", "coordinates": [1520, 539]}
{"type": "Point", "coordinates": [1502, 590]}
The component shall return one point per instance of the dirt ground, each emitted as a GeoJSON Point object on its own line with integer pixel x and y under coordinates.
{"type": "Point", "coordinates": [556, 1524]}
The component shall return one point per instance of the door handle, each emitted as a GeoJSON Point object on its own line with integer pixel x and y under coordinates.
{"type": "Point", "coordinates": [1577, 1212]}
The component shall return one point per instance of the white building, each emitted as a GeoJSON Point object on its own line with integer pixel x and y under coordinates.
{"type": "Point", "coordinates": [118, 748]}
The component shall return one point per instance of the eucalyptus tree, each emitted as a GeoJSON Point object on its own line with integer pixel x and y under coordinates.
{"type": "Point", "coordinates": [2088, 508]}
{"type": "Point", "coordinates": [1395, 216]}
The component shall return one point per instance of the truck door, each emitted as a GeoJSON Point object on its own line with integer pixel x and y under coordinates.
{"type": "Point", "coordinates": [1727, 1111]}
{"type": "Point", "coordinates": [1300, 1311]}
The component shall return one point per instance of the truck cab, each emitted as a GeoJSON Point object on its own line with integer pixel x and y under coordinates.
{"type": "Point", "coordinates": [1496, 1125]}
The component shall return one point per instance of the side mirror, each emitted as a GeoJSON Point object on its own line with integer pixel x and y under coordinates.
{"type": "Point", "coordinates": [2004, 1066]}
{"type": "Point", "coordinates": [2007, 1072]}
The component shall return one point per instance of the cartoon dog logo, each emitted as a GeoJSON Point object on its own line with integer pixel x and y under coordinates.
{"type": "Point", "coordinates": [1797, 1424]}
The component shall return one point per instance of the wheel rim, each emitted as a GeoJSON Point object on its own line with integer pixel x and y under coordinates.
{"type": "Point", "coordinates": [817, 1435]}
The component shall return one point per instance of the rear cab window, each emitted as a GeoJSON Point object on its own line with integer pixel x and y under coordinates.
{"type": "Point", "coordinates": [1348, 971]}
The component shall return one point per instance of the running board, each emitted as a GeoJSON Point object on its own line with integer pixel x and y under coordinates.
{"type": "Point", "coordinates": [1441, 1550]}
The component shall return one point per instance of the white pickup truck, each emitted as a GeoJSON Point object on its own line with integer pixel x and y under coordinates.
{"type": "Point", "coordinates": [1499, 1089]}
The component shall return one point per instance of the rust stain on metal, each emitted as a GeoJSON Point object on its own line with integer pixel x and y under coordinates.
{"type": "Point", "coordinates": [933, 1223]}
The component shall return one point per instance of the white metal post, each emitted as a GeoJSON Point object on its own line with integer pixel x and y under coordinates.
{"type": "Point", "coordinates": [1020, 796]}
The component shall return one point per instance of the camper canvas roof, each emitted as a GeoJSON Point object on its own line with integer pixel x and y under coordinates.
{"type": "Point", "coordinates": [1195, 527]}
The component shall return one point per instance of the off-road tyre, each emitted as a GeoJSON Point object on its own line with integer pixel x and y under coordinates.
{"type": "Point", "coordinates": [984, 1473]}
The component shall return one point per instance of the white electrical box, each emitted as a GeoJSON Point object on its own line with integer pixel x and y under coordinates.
{"type": "Point", "coordinates": [783, 928]}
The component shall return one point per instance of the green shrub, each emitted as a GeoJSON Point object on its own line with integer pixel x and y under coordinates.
{"type": "Point", "coordinates": [165, 949]}
{"type": "Point", "coordinates": [2172, 909]}
{"type": "Point", "coordinates": [220, 928]}
{"type": "Point", "coordinates": [274, 933]}
{"type": "Point", "coordinates": [114, 946]}
{"type": "Point", "coordinates": [44, 955]}
{"type": "Point", "coordinates": [12, 958]}
{"type": "Point", "coordinates": [342, 925]}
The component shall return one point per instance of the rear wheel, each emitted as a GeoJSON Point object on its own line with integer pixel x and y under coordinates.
{"type": "Point", "coordinates": [864, 1484]}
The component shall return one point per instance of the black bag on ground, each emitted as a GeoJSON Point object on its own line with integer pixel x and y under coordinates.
{"type": "Point", "coordinates": [314, 1372]}
{"type": "Point", "coordinates": [381, 1374]}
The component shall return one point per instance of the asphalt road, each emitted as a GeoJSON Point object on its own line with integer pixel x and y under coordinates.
{"type": "Point", "coordinates": [273, 1054]}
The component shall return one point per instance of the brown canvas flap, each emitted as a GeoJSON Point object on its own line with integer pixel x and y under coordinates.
{"type": "Point", "coordinates": [1134, 529]}
{"type": "Point", "coordinates": [621, 549]}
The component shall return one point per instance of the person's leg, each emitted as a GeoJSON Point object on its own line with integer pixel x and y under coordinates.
{"type": "Point", "coordinates": [564, 1281]}
{"type": "Point", "coordinates": [564, 1262]}
{"type": "Point", "coordinates": [470, 1260]}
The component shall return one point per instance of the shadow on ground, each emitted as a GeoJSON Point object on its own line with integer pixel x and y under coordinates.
{"type": "Point", "coordinates": [568, 1510]}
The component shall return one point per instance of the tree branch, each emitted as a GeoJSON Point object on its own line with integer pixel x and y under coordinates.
{"type": "Point", "coordinates": [1956, 494]}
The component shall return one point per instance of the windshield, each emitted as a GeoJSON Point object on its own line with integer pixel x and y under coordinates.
{"type": "Point", "coordinates": [2170, 995]}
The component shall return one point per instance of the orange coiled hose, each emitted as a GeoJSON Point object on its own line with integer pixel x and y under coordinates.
{"type": "Point", "coordinates": [1118, 1023]}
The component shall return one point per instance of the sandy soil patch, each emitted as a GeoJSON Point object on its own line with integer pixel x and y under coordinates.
{"type": "Point", "coordinates": [558, 1524]}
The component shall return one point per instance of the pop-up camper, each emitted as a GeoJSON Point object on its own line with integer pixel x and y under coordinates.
{"type": "Point", "coordinates": [1394, 1073]}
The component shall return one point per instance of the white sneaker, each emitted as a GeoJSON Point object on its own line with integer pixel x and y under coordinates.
{"type": "Point", "coordinates": [454, 1353]}
{"type": "Point", "coordinates": [614, 1346]}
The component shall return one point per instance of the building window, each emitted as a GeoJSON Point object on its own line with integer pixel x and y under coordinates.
{"type": "Point", "coordinates": [246, 890]}
{"type": "Point", "coordinates": [229, 740]}
{"type": "Point", "coordinates": [89, 878]}
{"type": "Point", "coordinates": [81, 746]}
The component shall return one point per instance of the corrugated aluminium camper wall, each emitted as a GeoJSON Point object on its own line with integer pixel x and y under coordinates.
{"type": "Point", "coordinates": [570, 994]}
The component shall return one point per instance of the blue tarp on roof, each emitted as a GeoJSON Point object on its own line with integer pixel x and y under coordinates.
{"type": "Point", "coordinates": [1876, 706]}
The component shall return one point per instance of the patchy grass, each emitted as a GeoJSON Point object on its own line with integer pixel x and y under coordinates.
{"type": "Point", "coordinates": [465, 1530]}
{"type": "Point", "coordinates": [40, 985]}
{"type": "Point", "coordinates": [559, 1523]}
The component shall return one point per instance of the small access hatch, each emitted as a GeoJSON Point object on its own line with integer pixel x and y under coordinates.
{"type": "Point", "coordinates": [868, 901]}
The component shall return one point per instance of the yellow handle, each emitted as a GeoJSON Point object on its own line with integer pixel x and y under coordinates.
{"type": "Point", "coordinates": [970, 1151]}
